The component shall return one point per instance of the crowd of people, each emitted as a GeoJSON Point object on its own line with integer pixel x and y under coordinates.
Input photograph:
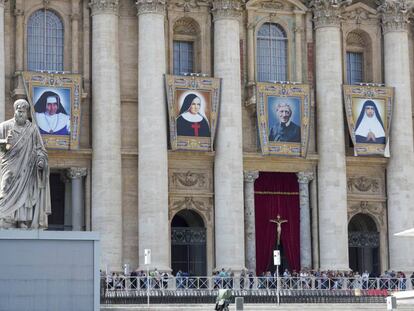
{"type": "Point", "coordinates": [304, 279]}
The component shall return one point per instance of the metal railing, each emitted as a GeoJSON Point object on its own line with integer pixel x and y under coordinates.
{"type": "Point", "coordinates": [132, 283]}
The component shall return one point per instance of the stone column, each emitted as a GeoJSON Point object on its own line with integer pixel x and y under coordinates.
{"type": "Point", "coordinates": [67, 220]}
{"type": "Point", "coordinates": [305, 222]}
{"type": "Point", "coordinates": [249, 219]}
{"type": "Point", "coordinates": [299, 31]}
{"type": "Point", "coordinates": [19, 91]}
{"type": "Point", "coordinates": [106, 132]}
{"type": "Point", "coordinates": [228, 168]}
{"type": "Point", "coordinates": [400, 171]}
{"type": "Point", "coordinates": [331, 142]}
{"type": "Point", "coordinates": [75, 17]}
{"type": "Point", "coordinates": [76, 175]}
{"type": "Point", "coordinates": [153, 224]}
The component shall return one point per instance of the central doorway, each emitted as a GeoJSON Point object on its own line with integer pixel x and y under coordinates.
{"type": "Point", "coordinates": [363, 242]}
{"type": "Point", "coordinates": [188, 244]}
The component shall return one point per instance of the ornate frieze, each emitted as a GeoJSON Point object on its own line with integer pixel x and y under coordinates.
{"type": "Point", "coordinates": [226, 9]}
{"type": "Point", "coordinates": [394, 14]}
{"type": "Point", "coordinates": [104, 6]}
{"type": "Point", "coordinates": [363, 184]}
{"type": "Point", "coordinates": [188, 5]}
{"type": "Point", "coordinates": [188, 179]}
{"type": "Point", "coordinates": [327, 13]}
{"type": "Point", "coordinates": [151, 6]}
{"type": "Point", "coordinates": [76, 172]}
{"type": "Point", "coordinates": [203, 206]}
{"type": "Point", "coordinates": [358, 15]}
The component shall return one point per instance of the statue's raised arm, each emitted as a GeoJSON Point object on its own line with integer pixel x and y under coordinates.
{"type": "Point", "coordinates": [24, 172]}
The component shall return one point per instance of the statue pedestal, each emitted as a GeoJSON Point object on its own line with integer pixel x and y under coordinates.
{"type": "Point", "coordinates": [49, 270]}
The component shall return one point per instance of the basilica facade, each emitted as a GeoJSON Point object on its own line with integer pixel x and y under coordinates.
{"type": "Point", "coordinates": [199, 210]}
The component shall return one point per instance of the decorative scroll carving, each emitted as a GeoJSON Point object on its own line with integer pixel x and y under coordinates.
{"type": "Point", "coordinates": [355, 39]}
{"type": "Point", "coordinates": [250, 176]}
{"type": "Point", "coordinates": [363, 184]}
{"type": "Point", "coordinates": [151, 6]}
{"type": "Point", "coordinates": [227, 9]}
{"type": "Point", "coordinates": [328, 12]}
{"type": "Point", "coordinates": [187, 5]}
{"type": "Point", "coordinates": [104, 6]}
{"type": "Point", "coordinates": [186, 26]}
{"type": "Point", "coordinates": [189, 179]}
{"type": "Point", "coordinates": [376, 210]}
{"type": "Point", "coordinates": [358, 15]}
{"type": "Point", "coordinates": [394, 15]}
{"type": "Point", "coordinates": [202, 205]}
{"type": "Point", "coordinates": [76, 172]}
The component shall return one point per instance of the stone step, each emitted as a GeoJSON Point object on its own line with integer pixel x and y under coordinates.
{"type": "Point", "coordinates": [258, 307]}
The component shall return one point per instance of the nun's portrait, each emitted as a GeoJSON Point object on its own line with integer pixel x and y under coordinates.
{"type": "Point", "coordinates": [192, 120]}
{"type": "Point", "coordinates": [369, 128]}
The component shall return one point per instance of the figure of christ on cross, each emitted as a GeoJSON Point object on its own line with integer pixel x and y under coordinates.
{"type": "Point", "coordinates": [278, 221]}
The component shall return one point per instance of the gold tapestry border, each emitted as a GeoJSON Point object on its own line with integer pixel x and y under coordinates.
{"type": "Point", "coordinates": [276, 192]}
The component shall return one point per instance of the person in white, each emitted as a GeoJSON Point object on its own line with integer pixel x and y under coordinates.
{"type": "Point", "coordinates": [51, 116]}
{"type": "Point", "coordinates": [369, 127]}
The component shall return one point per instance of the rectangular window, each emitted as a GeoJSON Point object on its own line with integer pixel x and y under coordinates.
{"type": "Point", "coordinates": [354, 67]}
{"type": "Point", "coordinates": [183, 57]}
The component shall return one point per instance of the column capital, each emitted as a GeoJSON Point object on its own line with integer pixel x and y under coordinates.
{"type": "Point", "coordinates": [327, 13]}
{"type": "Point", "coordinates": [304, 177]}
{"type": "Point", "coordinates": [104, 6]}
{"type": "Point", "coordinates": [250, 176]}
{"type": "Point", "coordinates": [151, 6]}
{"type": "Point", "coordinates": [226, 9]}
{"type": "Point", "coordinates": [2, 2]}
{"type": "Point", "coordinates": [394, 14]}
{"type": "Point", "coordinates": [76, 172]}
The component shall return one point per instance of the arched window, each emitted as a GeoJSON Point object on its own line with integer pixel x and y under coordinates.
{"type": "Point", "coordinates": [358, 57]}
{"type": "Point", "coordinates": [45, 41]}
{"type": "Point", "coordinates": [271, 53]}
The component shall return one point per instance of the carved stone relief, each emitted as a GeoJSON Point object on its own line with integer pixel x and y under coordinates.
{"type": "Point", "coordinates": [375, 209]}
{"type": "Point", "coordinates": [203, 205]}
{"type": "Point", "coordinates": [188, 5]}
{"type": "Point", "coordinates": [364, 184]}
{"type": "Point", "coordinates": [186, 26]}
{"type": "Point", "coordinates": [190, 181]}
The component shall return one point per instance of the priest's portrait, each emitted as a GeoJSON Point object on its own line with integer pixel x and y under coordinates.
{"type": "Point", "coordinates": [369, 126]}
{"type": "Point", "coordinates": [192, 117]}
{"type": "Point", "coordinates": [52, 110]}
{"type": "Point", "coordinates": [284, 119]}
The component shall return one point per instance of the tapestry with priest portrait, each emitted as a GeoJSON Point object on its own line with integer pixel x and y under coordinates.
{"type": "Point", "coordinates": [368, 112]}
{"type": "Point", "coordinates": [55, 100]}
{"type": "Point", "coordinates": [283, 113]}
{"type": "Point", "coordinates": [193, 104]}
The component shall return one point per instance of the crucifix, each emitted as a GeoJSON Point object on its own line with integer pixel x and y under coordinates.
{"type": "Point", "coordinates": [278, 221]}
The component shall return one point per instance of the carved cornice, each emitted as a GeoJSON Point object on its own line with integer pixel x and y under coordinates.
{"type": "Point", "coordinates": [76, 172]}
{"type": "Point", "coordinates": [250, 176]}
{"type": "Point", "coordinates": [304, 177]}
{"type": "Point", "coordinates": [104, 6]}
{"type": "Point", "coordinates": [227, 9]}
{"type": "Point", "coordinates": [327, 13]}
{"type": "Point", "coordinates": [151, 6]}
{"type": "Point", "coordinates": [394, 14]}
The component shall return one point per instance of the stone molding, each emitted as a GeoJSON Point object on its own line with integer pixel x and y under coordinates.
{"type": "Point", "coordinates": [327, 13]}
{"type": "Point", "coordinates": [151, 7]}
{"type": "Point", "coordinates": [226, 9]}
{"type": "Point", "coordinates": [250, 176]}
{"type": "Point", "coordinates": [305, 177]}
{"type": "Point", "coordinates": [104, 6]}
{"type": "Point", "coordinates": [394, 14]}
{"type": "Point", "coordinates": [76, 172]}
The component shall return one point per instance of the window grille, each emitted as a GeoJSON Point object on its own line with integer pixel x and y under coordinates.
{"type": "Point", "coordinates": [183, 57]}
{"type": "Point", "coordinates": [272, 64]}
{"type": "Point", "coordinates": [354, 67]}
{"type": "Point", "coordinates": [45, 41]}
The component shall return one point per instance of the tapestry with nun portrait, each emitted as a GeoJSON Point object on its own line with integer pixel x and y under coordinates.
{"type": "Point", "coordinates": [55, 101]}
{"type": "Point", "coordinates": [368, 111]}
{"type": "Point", "coordinates": [193, 104]}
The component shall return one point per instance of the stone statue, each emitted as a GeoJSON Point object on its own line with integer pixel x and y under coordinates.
{"type": "Point", "coordinates": [278, 223]}
{"type": "Point", "coordinates": [24, 172]}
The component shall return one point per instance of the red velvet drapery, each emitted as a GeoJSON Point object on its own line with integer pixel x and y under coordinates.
{"type": "Point", "coordinates": [277, 194]}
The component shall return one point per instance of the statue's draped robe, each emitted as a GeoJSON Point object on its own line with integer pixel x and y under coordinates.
{"type": "Point", "coordinates": [24, 189]}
